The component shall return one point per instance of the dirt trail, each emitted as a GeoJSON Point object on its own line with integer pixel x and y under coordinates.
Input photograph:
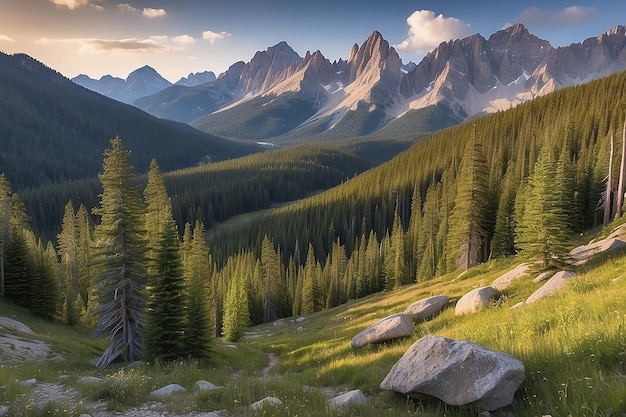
{"type": "Point", "coordinates": [272, 362]}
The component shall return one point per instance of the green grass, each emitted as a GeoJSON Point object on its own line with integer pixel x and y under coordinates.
{"type": "Point", "coordinates": [573, 346]}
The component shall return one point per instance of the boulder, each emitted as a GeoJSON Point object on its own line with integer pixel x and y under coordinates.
{"type": "Point", "coordinates": [426, 308]}
{"type": "Point", "coordinates": [355, 397]}
{"type": "Point", "coordinates": [459, 373]}
{"type": "Point", "coordinates": [168, 390]}
{"type": "Point", "coordinates": [504, 281]}
{"type": "Point", "coordinates": [88, 380]}
{"type": "Point", "coordinates": [267, 401]}
{"type": "Point", "coordinates": [15, 325]}
{"type": "Point", "coordinates": [582, 254]}
{"type": "Point", "coordinates": [475, 300]}
{"type": "Point", "coordinates": [554, 285]}
{"type": "Point", "coordinates": [205, 385]}
{"type": "Point", "coordinates": [396, 326]}
{"type": "Point", "coordinates": [542, 277]}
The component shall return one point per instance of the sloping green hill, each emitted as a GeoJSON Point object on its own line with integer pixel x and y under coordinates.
{"type": "Point", "coordinates": [52, 130]}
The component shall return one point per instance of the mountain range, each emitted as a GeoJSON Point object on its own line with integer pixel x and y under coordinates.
{"type": "Point", "coordinates": [279, 95]}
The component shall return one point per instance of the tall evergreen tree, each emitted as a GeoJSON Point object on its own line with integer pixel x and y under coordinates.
{"type": "Point", "coordinates": [120, 246]}
{"type": "Point", "coordinates": [542, 231]}
{"type": "Point", "coordinates": [5, 225]}
{"type": "Point", "coordinates": [236, 313]}
{"type": "Point", "coordinates": [158, 211]}
{"type": "Point", "coordinates": [467, 233]}
{"type": "Point", "coordinates": [164, 329]}
{"type": "Point", "coordinates": [200, 297]}
{"type": "Point", "coordinates": [84, 265]}
{"type": "Point", "coordinates": [503, 243]}
{"type": "Point", "coordinates": [68, 253]}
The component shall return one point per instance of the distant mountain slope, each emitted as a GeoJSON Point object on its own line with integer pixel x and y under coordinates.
{"type": "Point", "coordinates": [53, 130]}
{"type": "Point", "coordinates": [142, 82]}
{"type": "Point", "coordinates": [459, 79]}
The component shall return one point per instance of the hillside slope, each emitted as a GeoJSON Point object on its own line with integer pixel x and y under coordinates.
{"type": "Point", "coordinates": [53, 130]}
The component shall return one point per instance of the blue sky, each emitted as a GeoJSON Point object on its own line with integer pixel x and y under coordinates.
{"type": "Point", "coordinates": [176, 37]}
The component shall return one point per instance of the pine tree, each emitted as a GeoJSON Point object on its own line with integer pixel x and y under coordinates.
{"type": "Point", "coordinates": [158, 209]}
{"type": "Point", "coordinates": [5, 226]}
{"type": "Point", "coordinates": [120, 246]}
{"type": "Point", "coordinates": [200, 297]}
{"type": "Point", "coordinates": [68, 253]}
{"type": "Point", "coordinates": [467, 233]}
{"type": "Point", "coordinates": [543, 229]}
{"type": "Point", "coordinates": [165, 324]}
{"type": "Point", "coordinates": [84, 265]}
{"type": "Point", "coordinates": [400, 276]}
{"type": "Point", "coordinates": [503, 243]}
{"type": "Point", "coordinates": [236, 313]}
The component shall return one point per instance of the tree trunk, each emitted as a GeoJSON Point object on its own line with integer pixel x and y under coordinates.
{"type": "Point", "coordinates": [607, 197]}
{"type": "Point", "coordinates": [620, 186]}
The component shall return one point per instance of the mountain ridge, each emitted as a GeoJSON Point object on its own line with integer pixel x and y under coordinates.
{"type": "Point", "coordinates": [360, 95]}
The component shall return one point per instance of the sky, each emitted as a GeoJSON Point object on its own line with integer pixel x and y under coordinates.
{"type": "Point", "coordinates": [177, 37]}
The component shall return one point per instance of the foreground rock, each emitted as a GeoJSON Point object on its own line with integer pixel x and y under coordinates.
{"type": "Point", "coordinates": [459, 373]}
{"type": "Point", "coordinates": [267, 401]}
{"type": "Point", "coordinates": [475, 300]}
{"type": "Point", "coordinates": [426, 308]}
{"type": "Point", "coordinates": [503, 282]}
{"type": "Point", "coordinates": [355, 397]}
{"type": "Point", "coordinates": [168, 390]}
{"type": "Point", "coordinates": [554, 285]}
{"type": "Point", "coordinates": [15, 325]}
{"type": "Point", "coordinates": [396, 326]}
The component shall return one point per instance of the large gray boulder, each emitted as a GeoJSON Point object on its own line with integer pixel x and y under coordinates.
{"type": "Point", "coordinates": [459, 373]}
{"type": "Point", "coordinates": [396, 326]}
{"type": "Point", "coordinates": [475, 300]}
{"type": "Point", "coordinates": [504, 281]}
{"type": "Point", "coordinates": [265, 402]}
{"type": "Point", "coordinates": [426, 308]}
{"type": "Point", "coordinates": [554, 285]}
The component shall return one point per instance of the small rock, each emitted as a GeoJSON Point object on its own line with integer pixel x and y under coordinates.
{"type": "Point", "coordinates": [426, 308]}
{"type": "Point", "coordinates": [4, 410]}
{"type": "Point", "coordinates": [232, 347]}
{"type": "Point", "coordinates": [300, 319]}
{"type": "Point", "coordinates": [205, 386]}
{"type": "Point", "coordinates": [475, 300]}
{"type": "Point", "coordinates": [29, 382]}
{"type": "Point", "coordinates": [542, 277]}
{"type": "Point", "coordinates": [396, 326]}
{"type": "Point", "coordinates": [355, 397]}
{"type": "Point", "coordinates": [168, 390]}
{"type": "Point", "coordinates": [267, 401]}
{"type": "Point", "coordinates": [89, 379]}
{"type": "Point", "coordinates": [300, 328]}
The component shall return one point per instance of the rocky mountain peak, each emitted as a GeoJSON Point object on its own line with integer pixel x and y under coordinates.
{"type": "Point", "coordinates": [264, 69]}
{"type": "Point", "coordinates": [375, 55]}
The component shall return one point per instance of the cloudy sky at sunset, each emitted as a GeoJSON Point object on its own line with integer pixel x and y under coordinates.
{"type": "Point", "coordinates": [176, 37]}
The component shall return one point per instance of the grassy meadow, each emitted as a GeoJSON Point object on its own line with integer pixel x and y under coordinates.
{"type": "Point", "coordinates": [573, 346]}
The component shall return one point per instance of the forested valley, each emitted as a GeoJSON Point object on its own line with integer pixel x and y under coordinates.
{"type": "Point", "coordinates": [517, 182]}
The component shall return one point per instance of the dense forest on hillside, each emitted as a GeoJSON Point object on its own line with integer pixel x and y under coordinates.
{"type": "Point", "coordinates": [62, 129]}
{"type": "Point", "coordinates": [515, 182]}
{"type": "Point", "coordinates": [216, 192]}
{"type": "Point", "coordinates": [575, 124]}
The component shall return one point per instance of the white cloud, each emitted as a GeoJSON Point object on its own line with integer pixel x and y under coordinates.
{"type": "Point", "coordinates": [183, 39]}
{"type": "Point", "coordinates": [426, 31]}
{"type": "Point", "coordinates": [6, 38]}
{"type": "Point", "coordinates": [71, 4]}
{"type": "Point", "coordinates": [534, 16]}
{"type": "Point", "coordinates": [153, 13]}
{"type": "Point", "coordinates": [146, 12]}
{"type": "Point", "coordinates": [213, 37]}
{"type": "Point", "coordinates": [157, 43]}
{"type": "Point", "coordinates": [127, 8]}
